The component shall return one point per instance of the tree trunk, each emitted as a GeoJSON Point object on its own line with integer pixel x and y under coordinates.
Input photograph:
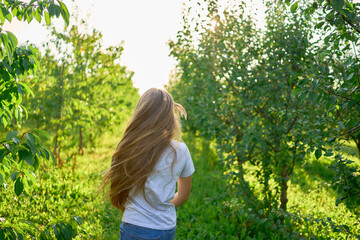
{"type": "Point", "coordinates": [73, 167]}
{"type": "Point", "coordinates": [57, 144]}
{"type": "Point", "coordinates": [80, 141]}
{"type": "Point", "coordinates": [248, 196]}
{"type": "Point", "coordinates": [284, 187]}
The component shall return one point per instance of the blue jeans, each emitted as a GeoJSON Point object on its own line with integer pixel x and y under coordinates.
{"type": "Point", "coordinates": [132, 232]}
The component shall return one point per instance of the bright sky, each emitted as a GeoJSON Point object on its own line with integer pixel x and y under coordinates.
{"type": "Point", "coordinates": [144, 26]}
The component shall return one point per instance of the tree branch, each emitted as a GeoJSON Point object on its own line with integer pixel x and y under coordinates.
{"type": "Point", "coordinates": [292, 124]}
{"type": "Point", "coordinates": [349, 22]}
{"type": "Point", "coordinates": [262, 112]}
{"type": "Point", "coordinates": [347, 196]}
{"type": "Point", "coordinates": [294, 158]}
{"type": "Point", "coordinates": [350, 130]}
{"type": "Point", "coordinates": [6, 147]}
{"type": "Point", "coordinates": [345, 18]}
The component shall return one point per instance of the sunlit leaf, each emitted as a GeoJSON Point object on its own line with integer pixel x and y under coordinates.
{"type": "Point", "coordinates": [47, 18]}
{"type": "Point", "coordinates": [294, 7]}
{"type": "Point", "coordinates": [64, 13]}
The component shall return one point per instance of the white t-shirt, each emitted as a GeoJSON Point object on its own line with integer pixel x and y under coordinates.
{"type": "Point", "coordinates": [158, 213]}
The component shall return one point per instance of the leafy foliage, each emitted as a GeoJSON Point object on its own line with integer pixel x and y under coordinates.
{"type": "Point", "coordinates": [336, 83]}
{"type": "Point", "coordinates": [267, 98]}
{"type": "Point", "coordinates": [82, 89]}
{"type": "Point", "coordinates": [20, 154]}
{"type": "Point", "coordinates": [15, 62]}
{"type": "Point", "coordinates": [215, 210]}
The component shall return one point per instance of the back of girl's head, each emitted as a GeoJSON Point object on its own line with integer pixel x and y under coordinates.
{"type": "Point", "coordinates": [154, 114]}
{"type": "Point", "coordinates": [154, 123]}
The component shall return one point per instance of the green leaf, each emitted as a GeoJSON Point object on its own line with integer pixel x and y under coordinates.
{"type": "Point", "coordinates": [78, 219]}
{"type": "Point", "coordinates": [30, 140]}
{"type": "Point", "coordinates": [349, 15]}
{"type": "Point", "coordinates": [318, 153]}
{"type": "Point", "coordinates": [64, 13]}
{"type": "Point", "coordinates": [319, 25]}
{"type": "Point", "coordinates": [350, 77]}
{"type": "Point", "coordinates": [26, 89]}
{"type": "Point", "coordinates": [332, 99]}
{"type": "Point", "coordinates": [37, 15]}
{"type": "Point", "coordinates": [37, 162]}
{"type": "Point", "coordinates": [330, 16]}
{"type": "Point", "coordinates": [44, 153]}
{"type": "Point", "coordinates": [52, 156]}
{"type": "Point", "coordinates": [51, 9]}
{"type": "Point", "coordinates": [11, 135]}
{"type": "Point", "coordinates": [65, 231]}
{"type": "Point", "coordinates": [4, 74]}
{"type": "Point", "coordinates": [42, 133]}
{"type": "Point", "coordinates": [5, 39]}
{"type": "Point", "coordinates": [57, 10]}
{"type": "Point", "coordinates": [328, 153]}
{"type": "Point", "coordinates": [25, 154]}
{"type": "Point", "coordinates": [19, 187]}
{"type": "Point", "coordinates": [6, 14]}
{"type": "Point", "coordinates": [3, 153]}
{"type": "Point", "coordinates": [29, 16]}
{"type": "Point", "coordinates": [47, 18]}
{"type": "Point", "coordinates": [16, 140]}
{"type": "Point", "coordinates": [30, 175]}
{"type": "Point", "coordinates": [14, 175]}
{"type": "Point", "coordinates": [2, 17]}
{"type": "Point", "coordinates": [294, 7]}
{"type": "Point", "coordinates": [25, 63]}
{"type": "Point", "coordinates": [338, 4]}
{"type": "Point", "coordinates": [56, 231]}
{"type": "Point", "coordinates": [19, 89]}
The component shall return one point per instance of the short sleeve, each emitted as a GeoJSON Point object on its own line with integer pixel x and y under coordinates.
{"type": "Point", "coordinates": [188, 168]}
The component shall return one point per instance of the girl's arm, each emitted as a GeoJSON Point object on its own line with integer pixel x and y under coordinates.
{"type": "Point", "coordinates": [184, 189]}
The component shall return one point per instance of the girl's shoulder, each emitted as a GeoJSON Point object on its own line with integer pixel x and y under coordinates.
{"type": "Point", "coordinates": [179, 146]}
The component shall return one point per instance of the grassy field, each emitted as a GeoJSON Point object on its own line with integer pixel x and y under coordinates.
{"type": "Point", "coordinates": [213, 212]}
{"type": "Point", "coordinates": [68, 193]}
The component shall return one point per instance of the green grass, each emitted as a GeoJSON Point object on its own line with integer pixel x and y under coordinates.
{"type": "Point", "coordinates": [310, 192]}
{"type": "Point", "coordinates": [214, 211]}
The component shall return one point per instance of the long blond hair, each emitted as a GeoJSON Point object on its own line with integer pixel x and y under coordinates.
{"type": "Point", "coordinates": [155, 121]}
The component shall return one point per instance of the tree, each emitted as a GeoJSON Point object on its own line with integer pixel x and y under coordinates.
{"type": "Point", "coordinates": [335, 84]}
{"type": "Point", "coordinates": [15, 62]}
{"type": "Point", "coordinates": [256, 94]}
{"type": "Point", "coordinates": [90, 91]}
{"type": "Point", "coordinates": [20, 154]}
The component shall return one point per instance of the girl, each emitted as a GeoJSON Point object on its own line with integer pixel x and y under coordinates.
{"type": "Point", "coordinates": [145, 167]}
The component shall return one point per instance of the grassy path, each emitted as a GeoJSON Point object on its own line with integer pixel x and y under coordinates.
{"type": "Point", "coordinates": [197, 219]}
